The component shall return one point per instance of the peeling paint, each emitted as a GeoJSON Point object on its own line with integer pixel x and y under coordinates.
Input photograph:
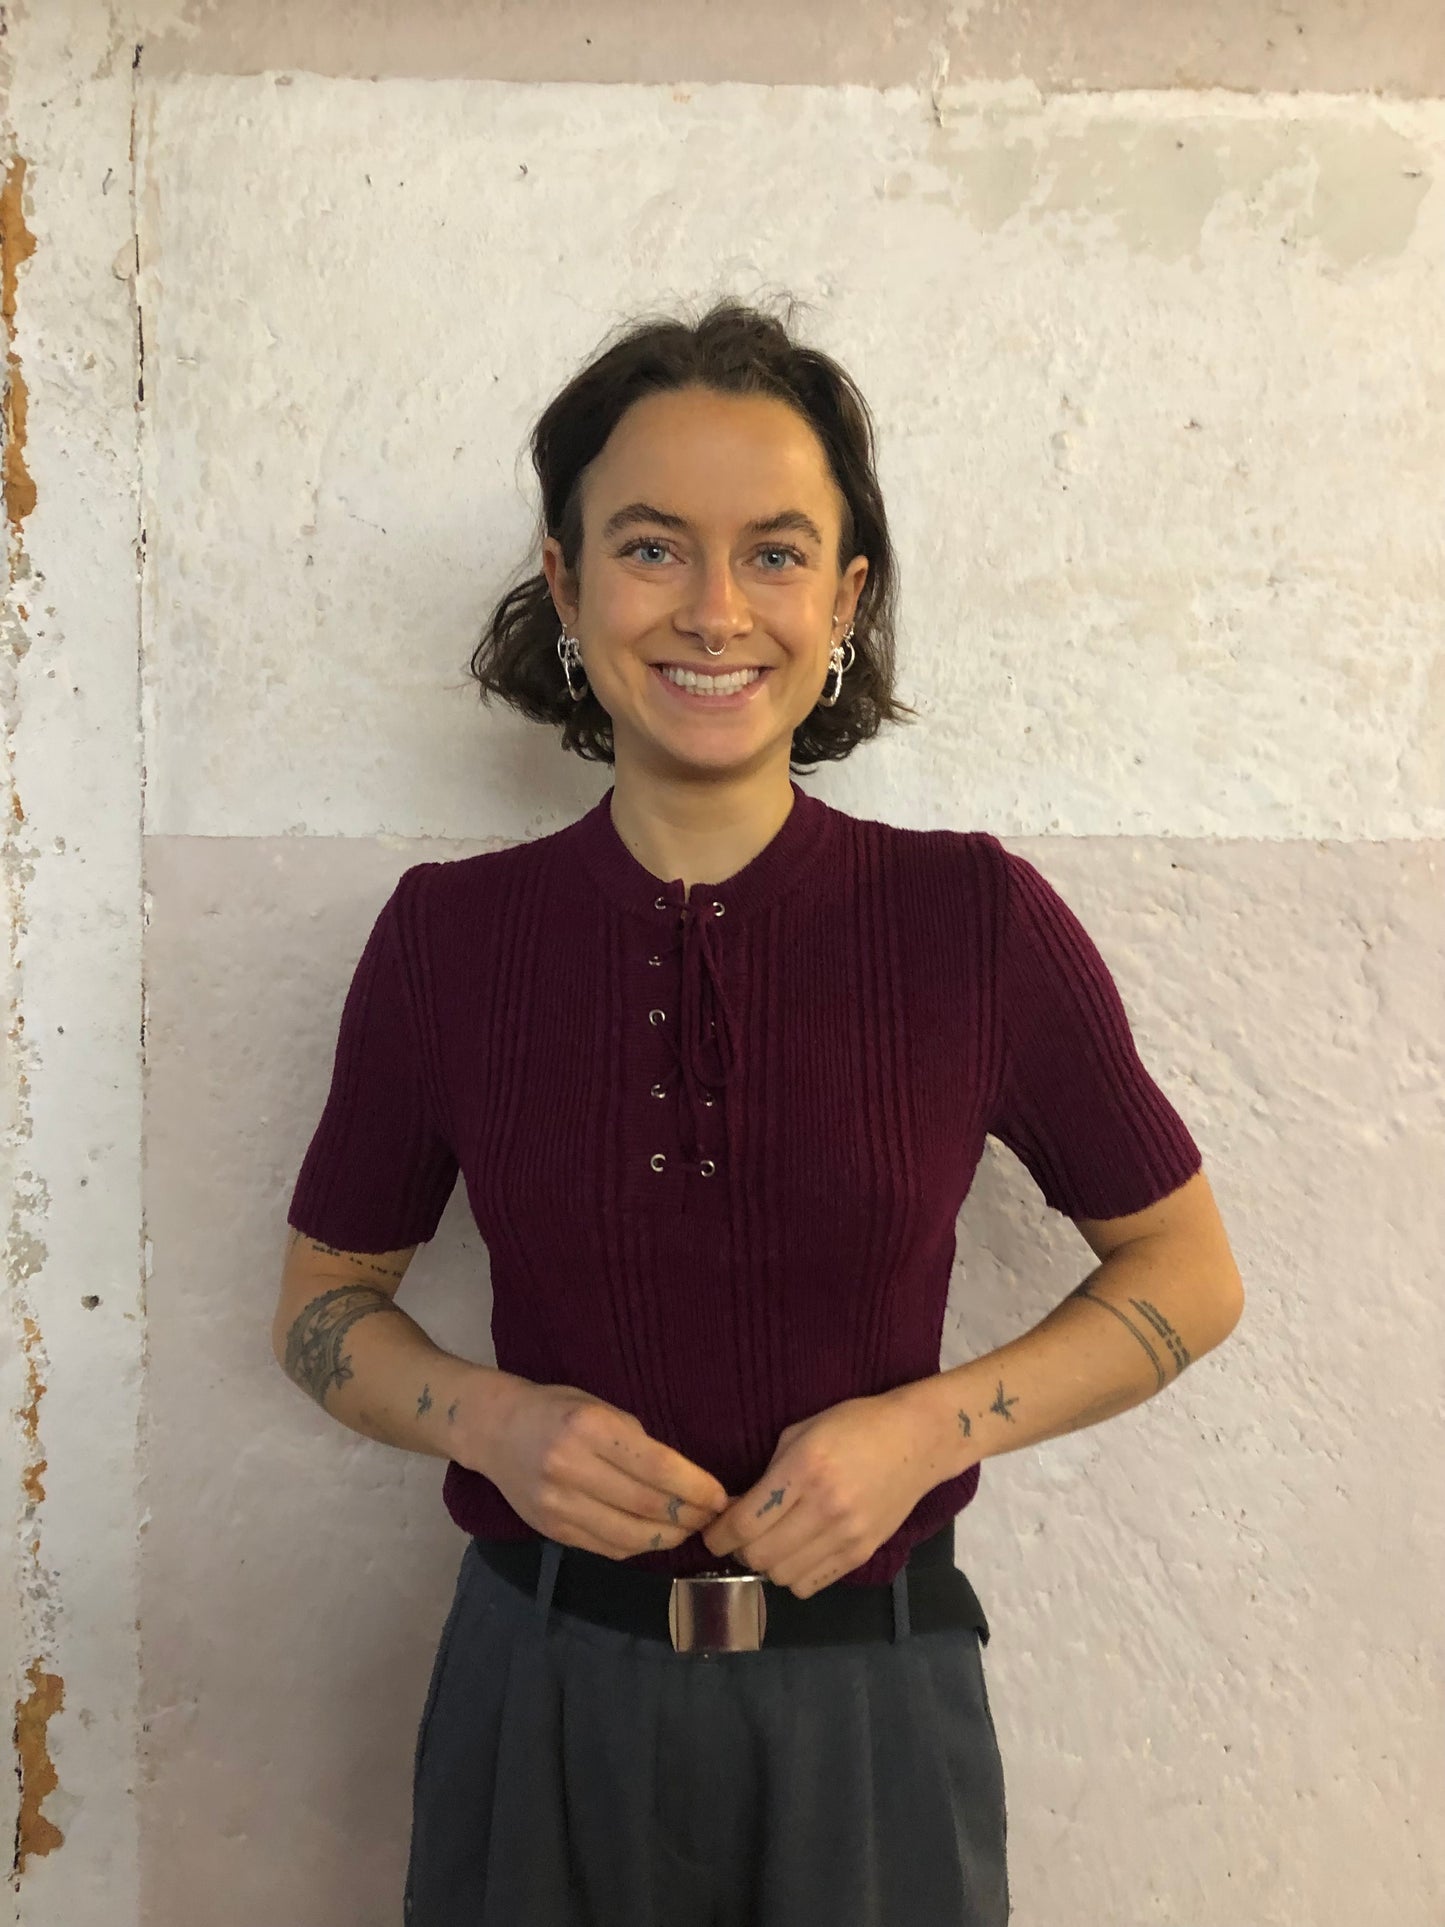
{"type": "Point", "coordinates": [35, 1835]}
{"type": "Point", "coordinates": [17, 244]}
{"type": "Point", "coordinates": [1068, 46]}
{"type": "Point", "coordinates": [1352, 191]}
{"type": "Point", "coordinates": [30, 1479]}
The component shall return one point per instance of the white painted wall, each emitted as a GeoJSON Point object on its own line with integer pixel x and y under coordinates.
{"type": "Point", "coordinates": [72, 1373]}
{"type": "Point", "coordinates": [1134, 360]}
{"type": "Point", "coordinates": [1157, 380]}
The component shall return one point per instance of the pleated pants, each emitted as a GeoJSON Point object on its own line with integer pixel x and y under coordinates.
{"type": "Point", "coordinates": [572, 1775]}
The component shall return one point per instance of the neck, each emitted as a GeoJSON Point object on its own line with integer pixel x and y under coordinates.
{"type": "Point", "coordinates": [702, 829]}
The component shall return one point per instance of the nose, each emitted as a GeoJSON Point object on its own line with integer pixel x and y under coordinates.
{"type": "Point", "coordinates": [718, 610]}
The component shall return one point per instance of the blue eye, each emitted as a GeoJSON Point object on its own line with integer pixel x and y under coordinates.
{"type": "Point", "coordinates": [773, 548]}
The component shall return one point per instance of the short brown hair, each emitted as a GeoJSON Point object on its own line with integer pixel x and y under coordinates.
{"type": "Point", "coordinates": [733, 350]}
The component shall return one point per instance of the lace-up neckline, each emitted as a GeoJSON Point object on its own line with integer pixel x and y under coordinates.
{"type": "Point", "coordinates": [706, 1048]}
{"type": "Point", "coordinates": [693, 1020]}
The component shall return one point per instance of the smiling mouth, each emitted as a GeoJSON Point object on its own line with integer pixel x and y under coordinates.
{"type": "Point", "coordinates": [738, 668]}
{"type": "Point", "coordinates": [725, 681]}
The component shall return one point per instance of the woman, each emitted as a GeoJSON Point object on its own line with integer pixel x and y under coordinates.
{"type": "Point", "coordinates": [717, 1062]}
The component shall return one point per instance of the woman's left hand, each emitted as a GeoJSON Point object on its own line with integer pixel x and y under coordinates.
{"type": "Point", "coordinates": [838, 1485]}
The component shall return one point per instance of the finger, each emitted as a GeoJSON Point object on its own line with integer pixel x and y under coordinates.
{"type": "Point", "coordinates": [758, 1512]}
{"type": "Point", "coordinates": [599, 1527]}
{"type": "Point", "coordinates": [597, 1479]}
{"type": "Point", "coordinates": [792, 1546]}
{"type": "Point", "coordinates": [656, 1465]}
{"type": "Point", "coordinates": [805, 1565]}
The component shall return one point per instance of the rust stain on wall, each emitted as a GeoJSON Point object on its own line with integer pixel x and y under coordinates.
{"type": "Point", "coordinates": [17, 244]}
{"type": "Point", "coordinates": [34, 1834]}
{"type": "Point", "coordinates": [31, 1480]}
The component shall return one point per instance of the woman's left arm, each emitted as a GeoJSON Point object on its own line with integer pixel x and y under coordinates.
{"type": "Point", "coordinates": [841, 1481]}
{"type": "Point", "coordinates": [1168, 1291]}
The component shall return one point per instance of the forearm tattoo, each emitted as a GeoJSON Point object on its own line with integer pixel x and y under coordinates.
{"type": "Point", "coordinates": [1165, 1342]}
{"type": "Point", "coordinates": [1153, 1331]}
{"type": "Point", "coordinates": [1002, 1405]}
{"type": "Point", "coordinates": [314, 1345]}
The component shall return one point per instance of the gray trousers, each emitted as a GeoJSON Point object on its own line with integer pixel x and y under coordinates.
{"type": "Point", "coordinates": [573, 1775]}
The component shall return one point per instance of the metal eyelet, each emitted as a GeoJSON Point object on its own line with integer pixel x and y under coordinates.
{"type": "Point", "coordinates": [656, 1017]}
{"type": "Point", "coordinates": [706, 1168]}
{"type": "Point", "coordinates": [654, 960]}
{"type": "Point", "coordinates": [659, 903]}
{"type": "Point", "coordinates": [719, 909]}
{"type": "Point", "coordinates": [660, 1090]}
{"type": "Point", "coordinates": [659, 1161]}
{"type": "Point", "coordinates": [709, 1101]}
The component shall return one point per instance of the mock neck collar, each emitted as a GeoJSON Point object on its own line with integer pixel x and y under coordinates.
{"type": "Point", "coordinates": [777, 868]}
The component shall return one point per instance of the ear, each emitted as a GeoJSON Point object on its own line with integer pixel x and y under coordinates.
{"type": "Point", "coordinates": [559, 582]}
{"type": "Point", "coordinates": [850, 589]}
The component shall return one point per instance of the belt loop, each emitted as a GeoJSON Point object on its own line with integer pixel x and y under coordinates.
{"type": "Point", "coordinates": [901, 1627]}
{"type": "Point", "coordinates": [547, 1576]}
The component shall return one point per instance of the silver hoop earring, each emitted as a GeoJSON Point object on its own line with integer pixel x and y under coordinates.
{"type": "Point", "coordinates": [837, 667]}
{"type": "Point", "coordinates": [569, 652]}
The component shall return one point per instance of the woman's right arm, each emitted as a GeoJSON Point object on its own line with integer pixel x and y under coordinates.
{"type": "Point", "coordinates": [340, 1336]}
{"type": "Point", "coordinates": [576, 1468]}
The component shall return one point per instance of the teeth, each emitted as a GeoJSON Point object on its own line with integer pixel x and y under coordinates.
{"type": "Point", "coordinates": [712, 685]}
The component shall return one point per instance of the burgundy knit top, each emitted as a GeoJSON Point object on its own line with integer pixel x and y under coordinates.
{"type": "Point", "coordinates": [716, 1141]}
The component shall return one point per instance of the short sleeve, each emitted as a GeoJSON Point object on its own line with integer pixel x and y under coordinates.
{"type": "Point", "coordinates": [379, 1169]}
{"type": "Point", "coordinates": [1075, 1104]}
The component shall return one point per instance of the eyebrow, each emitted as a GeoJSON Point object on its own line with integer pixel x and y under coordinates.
{"type": "Point", "coordinates": [785, 519]}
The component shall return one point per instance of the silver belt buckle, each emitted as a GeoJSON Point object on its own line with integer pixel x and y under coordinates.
{"type": "Point", "coordinates": [717, 1612]}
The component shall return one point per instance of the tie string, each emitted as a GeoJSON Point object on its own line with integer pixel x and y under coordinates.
{"type": "Point", "coordinates": [707, 1052]}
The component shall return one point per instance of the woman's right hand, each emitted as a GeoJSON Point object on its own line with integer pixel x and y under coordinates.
{"type": "Point", "coordinates": [587, 1474]}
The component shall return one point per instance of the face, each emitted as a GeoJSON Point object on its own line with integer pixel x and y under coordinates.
{"type": "Point", "coordinates": [656, 585]}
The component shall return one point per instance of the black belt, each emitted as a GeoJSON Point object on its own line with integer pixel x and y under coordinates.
{"type": "Point", "coordinates": [742, 1611]}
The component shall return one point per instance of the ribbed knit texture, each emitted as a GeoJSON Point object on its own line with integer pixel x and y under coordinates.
{"type": "Point", "coordinates": [833, 1031]}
